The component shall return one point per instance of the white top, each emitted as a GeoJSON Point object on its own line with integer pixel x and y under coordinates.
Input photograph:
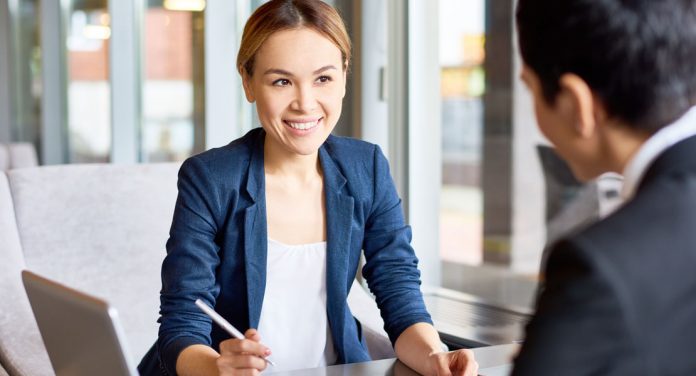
{"type": "Point", "coordinates": [293, 323]}
{"type": "Point", "coordinates": [681, 129]}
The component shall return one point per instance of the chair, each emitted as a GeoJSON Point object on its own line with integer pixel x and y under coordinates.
{"type": "Point", "coordinates": [17, 155]}
{"type": "Point", "coordinates": [22, 154]}
{"type": "Point", "coordinates": [365, 309]}
{"type": "Point", "coordinates": [98, 228]}
{"type": "Point", "coordinates": [4, 158]}
{"type": "Point", "coordinates": [21, 349]}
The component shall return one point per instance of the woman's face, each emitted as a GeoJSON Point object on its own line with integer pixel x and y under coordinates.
{"type": "Point", "coordinates": [298, 85]}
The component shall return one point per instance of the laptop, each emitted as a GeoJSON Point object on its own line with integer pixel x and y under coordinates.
{"type": "Point", "coordinates": [81, 333]}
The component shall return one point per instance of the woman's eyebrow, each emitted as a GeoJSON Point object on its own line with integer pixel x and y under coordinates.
{"type": "Point", "coordinates": [324, 69]}
{"type": "Point", "coordinates": [277, 71]}
{"type": "Point", "coordinates": [283, 72]}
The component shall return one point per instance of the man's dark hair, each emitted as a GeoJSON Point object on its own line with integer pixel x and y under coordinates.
{"type": "Point", "coordinates": [638, 56]}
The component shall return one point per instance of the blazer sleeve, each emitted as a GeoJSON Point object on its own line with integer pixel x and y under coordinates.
{"type": "Point", "coordinates": [579, 327]}
{"type": "Point", "coordinates": [188, 270]}
{"type": "Point", "coordinates": [391, 267]}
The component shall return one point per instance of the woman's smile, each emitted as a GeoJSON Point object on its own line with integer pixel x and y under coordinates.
{"type": "Point", "coordinates": [302, 127]}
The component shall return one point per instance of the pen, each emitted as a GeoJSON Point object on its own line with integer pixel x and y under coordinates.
{"type": "Point", "coordinates": [224, 324]}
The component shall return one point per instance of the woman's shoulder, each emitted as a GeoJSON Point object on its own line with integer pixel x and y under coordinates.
{"type": "Point", "coordinates": [351, 148]}
{"type": "Point", "coordinates": [231, 160]}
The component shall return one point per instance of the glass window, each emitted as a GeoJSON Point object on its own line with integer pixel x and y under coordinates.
{"type": "Point", "coordinates": [26, 55]}
{"type": "Point", "coordinates": [462, 54]}
{"type": "Point", "coordinates": [173, 81]}
{"type": "Point", "coordinates": [89, 90]}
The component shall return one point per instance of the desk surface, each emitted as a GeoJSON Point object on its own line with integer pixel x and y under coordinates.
{"type": "Point", "coordinates": [493, 361]}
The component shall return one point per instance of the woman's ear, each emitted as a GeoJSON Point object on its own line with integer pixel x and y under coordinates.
{"type": "Point", "coordinates": [582, 103]}
{"type": "Point", "coordinates": [345, 80]}
{"type": "Point", "coordinates": [246, 83]}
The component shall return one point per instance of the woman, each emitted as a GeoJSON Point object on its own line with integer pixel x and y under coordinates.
{"type": "Point", "coordinates": [268, 230]}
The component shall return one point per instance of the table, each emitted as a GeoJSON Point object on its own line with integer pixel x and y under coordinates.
{"type": "Point", "coordinates": [493, 361]}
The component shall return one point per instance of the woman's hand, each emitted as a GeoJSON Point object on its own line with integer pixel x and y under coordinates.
{"type": "Point", "coordinates": [455, 363]}
{"type": "Point", "coordinates": [242, 356]}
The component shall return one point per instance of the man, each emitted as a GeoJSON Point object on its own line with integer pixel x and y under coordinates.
{"type": "Point", "coordinates": [614, 85]}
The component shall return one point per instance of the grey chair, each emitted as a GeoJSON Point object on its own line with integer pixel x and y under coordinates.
{"type": "Point", "coordinates": [4, 158]}
{"type": "Point", "coordinates": [17, 155]}
{"type": "Point", "coordinates": [21, 155]}
{"type": "Point", "coordinates": [98, 228]}
{"type": "Point", "coordinates": [21, 349]}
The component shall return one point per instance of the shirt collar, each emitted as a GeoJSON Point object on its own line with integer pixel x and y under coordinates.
{"type": "Point", "coordinates": [681, 129]}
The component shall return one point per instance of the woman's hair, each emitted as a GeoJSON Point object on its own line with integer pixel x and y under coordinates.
{"type": "Point", "coordinates": [277, 15]}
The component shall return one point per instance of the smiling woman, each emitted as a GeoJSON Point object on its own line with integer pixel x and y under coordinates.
{"type": "Point", "coordinates": [298, 99]}
{"type": "Point", "coordinates": [269, 229]}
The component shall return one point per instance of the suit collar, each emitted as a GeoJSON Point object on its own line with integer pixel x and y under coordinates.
{"type": "Point", "coordinates": [333, 177]}
{"type": "Point", "coordinates": [680, 157]}
{"type": "Point", "coordinates": [653, 147]}
{"type": "Point", "coordinates": [255, 180]}
{"type": "Point", "coordinates": [255, 229]}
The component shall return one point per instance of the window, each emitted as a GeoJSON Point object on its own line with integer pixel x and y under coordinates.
{"type": "Point", "coordinates": [173, 81]}
{"type": "Point", "coordinates": [88, 85]}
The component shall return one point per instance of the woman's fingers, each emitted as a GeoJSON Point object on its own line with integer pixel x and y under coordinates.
{"type": "Point", "coordinates": [471, 365]}
{"type": "Point", "coordinates": [247, 346]}
{"type": "Point", "coordinates": [242, 356]}
{"type": "Point", "coordinates": [240, 361]}
{"type": "Point", "coordinates": [457, 363]}
{"type": "Point", "coordinates": [253, 335]}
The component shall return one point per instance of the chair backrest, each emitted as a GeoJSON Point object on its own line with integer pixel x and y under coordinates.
{"type": "Point", "coordinates": [101, 229]}
{"type": "Point", "coordinates": [21, 349]}
{"type": "Point", "coordinates": [22, 154]}
{"type": "Point", "coordinates": [4, 158]}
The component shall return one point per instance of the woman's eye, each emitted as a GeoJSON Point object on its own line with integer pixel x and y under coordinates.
{"type": "Point", "coordinates": [324, 79]}
{"type": "Point", "coordinates": [281, 82]}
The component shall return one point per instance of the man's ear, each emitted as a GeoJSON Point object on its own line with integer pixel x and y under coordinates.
{"type": "Point", "coordinates": [582, 102]}
{"type": "Point", "coordinates": [246, 83]}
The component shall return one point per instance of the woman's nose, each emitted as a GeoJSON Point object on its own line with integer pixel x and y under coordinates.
{"type": "Point", "coordinates": [305, 99]}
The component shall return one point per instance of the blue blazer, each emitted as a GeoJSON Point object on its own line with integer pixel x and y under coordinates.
{"type": "Point", "coordinates": [217, 247]}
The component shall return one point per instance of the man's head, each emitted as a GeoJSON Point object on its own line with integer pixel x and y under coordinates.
{"type": "Point", "coordinates": [591, 64]}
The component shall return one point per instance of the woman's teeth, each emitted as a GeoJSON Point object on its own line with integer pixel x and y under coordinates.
{"type": "Point", "coordinates": [303, 126]}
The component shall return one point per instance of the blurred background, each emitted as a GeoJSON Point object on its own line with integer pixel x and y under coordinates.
{"type": "Point", "coordinates": [434, 83]}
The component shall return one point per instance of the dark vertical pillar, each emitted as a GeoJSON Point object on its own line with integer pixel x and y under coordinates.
{"type": "Point", "coordinates": [498, 133]}
{"type": "Point", "coordinates": [198, 78]}
{"type": "Point", "coordinates": [350, 12]}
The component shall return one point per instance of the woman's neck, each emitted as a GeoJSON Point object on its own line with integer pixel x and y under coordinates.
{"type": "Point", "coordinates": [279, 162]}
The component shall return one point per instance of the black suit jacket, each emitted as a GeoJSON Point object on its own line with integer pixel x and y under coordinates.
{"type": "Point", "coordinates": [620, 296]}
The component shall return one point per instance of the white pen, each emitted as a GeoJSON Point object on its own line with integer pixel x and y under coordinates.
{"type": "Point", "coordinates": [224, 324]}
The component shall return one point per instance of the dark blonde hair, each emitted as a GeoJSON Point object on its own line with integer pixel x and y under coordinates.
{"type": "Point", "coordinates": [277, 15]}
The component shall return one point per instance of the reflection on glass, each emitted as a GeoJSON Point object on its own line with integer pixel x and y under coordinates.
{"type": "Point", "coordinates": [26, 55]}
{"type": "Point", "coordinates": [462, 37]}
{"type": "Point", "coordinates": [173, 103]}
{"type": "Point", "coordinates": [89, 108]}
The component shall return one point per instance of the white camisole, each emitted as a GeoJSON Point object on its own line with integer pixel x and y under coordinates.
{"type": "Point", "coordinates": [293, 322]}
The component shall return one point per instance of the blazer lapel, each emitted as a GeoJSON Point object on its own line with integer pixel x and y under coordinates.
{"type": "Point", "coordinates": [255, 238]}
{"type": "Point", "coordinates": [339, 215]}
